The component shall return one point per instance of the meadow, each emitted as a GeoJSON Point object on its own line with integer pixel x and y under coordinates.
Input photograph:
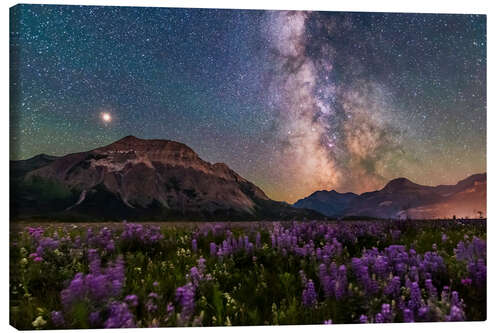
{"type": "Point", "coordinates": [252, 273]}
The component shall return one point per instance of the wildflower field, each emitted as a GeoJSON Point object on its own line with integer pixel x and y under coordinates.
{"type": "Point", "coordinates": [253, 273]}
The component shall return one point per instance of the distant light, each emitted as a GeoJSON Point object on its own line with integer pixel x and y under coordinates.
{"type": "Point", "coordinates": [106, 117]}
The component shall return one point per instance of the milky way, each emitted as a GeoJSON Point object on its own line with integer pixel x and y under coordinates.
{"type": "Point", "coordinates": [339, 125]}
{"type": "Point", "coordinates": [334, 135]}
{"type": "Point", "coordinates": [293, 101]}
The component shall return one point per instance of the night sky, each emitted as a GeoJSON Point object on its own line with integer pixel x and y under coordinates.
{"type": "Point", "coordinates": [293, 101]}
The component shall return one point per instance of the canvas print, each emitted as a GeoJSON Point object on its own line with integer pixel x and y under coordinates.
{"type": "Point", "coordinates": [209, 167]}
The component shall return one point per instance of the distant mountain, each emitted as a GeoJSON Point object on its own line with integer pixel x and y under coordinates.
{"type": "Point", "coordinates": [329, 203]}
{"type": "Point", "coordinates": [20, 168]}
{"type": "Point", "coordinates": [138, 179]}
{"type": "Point", "coordinates": [401, 198]}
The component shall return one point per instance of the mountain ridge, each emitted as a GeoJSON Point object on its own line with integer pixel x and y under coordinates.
{"type": "Point", "coordinates": [402, 198]}
{"type": "Point", "coordinates": [135, 178]}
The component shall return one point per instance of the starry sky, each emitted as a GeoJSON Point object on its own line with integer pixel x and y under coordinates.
{"type": "Point", "coordinates": [293, 101]}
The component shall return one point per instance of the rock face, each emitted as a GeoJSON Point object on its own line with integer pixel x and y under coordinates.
{"type": "Point", "coordinates": [401, 198]}
{"type": "Point", "coordinates": [142, 179]}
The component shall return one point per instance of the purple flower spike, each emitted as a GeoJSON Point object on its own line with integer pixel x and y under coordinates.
{"type": "Point", "coordinates": [194, 244]}
{"type": "Point", "coordinates": [408, 316]}
{"type": "Point", "coordinates": [132, 300]}
{"type": "Point", "coordinates": [57, 318]}
{"type": "Point", "coordinates": [119, 317]}
{"type": "Point", "coordinates": [185, 295]}
{"type": "Point", "coordinates": [309, 295]}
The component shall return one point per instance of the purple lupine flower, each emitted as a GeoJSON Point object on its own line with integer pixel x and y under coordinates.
{"type": "Point", "coordinates": [455, 299]}
{"type": "Point", "coordinates": [170, 311]}
{"type": "Point", "coordinates": [132, 300]}
{"type": "Point", "coordinates": [326, 281]}
{"type": "Point", "coordinates": [413, 274]}
{"type": "Point", "coordinates": [201, 265]}
{"type": "Point", "coordinates": [456, 314]}
{"type": "Point", "coordinates": [110, 247]}
{"type": "Point", "coordinates": [95, 319]}
{"type": "Point", "coordinates": [387, 313]}
{"type": "Point", "coordinates": [471, 251]}
{"type": "Point", "coordinates": [364, 278]}
{"type": "Point", "coordinates": [151, 306]}
{"type": "Point", "coordinates": [430, 288]}
{"type": "Point", "coordinates": [477, 271]}
{"type": "Point", "coordinates": [156, 284]}
{"type": "Point", "coordinates": [380, 266]}
{"type": "Point", "coordinates": [423, 313]}
{"type": "Point", "coordinates": [194, 245]}
{"type": "Point", "coordinates": [213, 249]}
{"type": "Point", "coordinates": [363, 319]}
{"type": "Point", "coordinates": [195, 275]}
{"type": "Point", "coordinates": [309, 296]}
{"type": "Point", "coordinates": [466, 281]}
{"type": "Point", "coordinates": [99, 286]}
{"type": "Point", "coordinates": [327, 322]}
{"type": "Point", "coordinates": [35, 257]}
{"type": "Point", "coordinates": [393, 287]}
{"type": "Point", "coordinates": [185, 295]}
{"type": "Point", "coordinates": [257, 240]}
{"type": "Point", "coordinates": [75, 290]}
{"type": "Point", "coordinates": [57, 318]}
{"type": "Point", "coordinates": [415, 297]}
{"type": "Point", "coordinates": [35, 232]}
{"type": "Point", "coordinates": [408, 316]}
{"type": "Point", "coordinates": [140, 234]}
{"type": "Point", "coordinates": [445, 293]}
{"type": "Point", "coordinates": [94, 261]}
{"type": "Point", "coordinates": [46, 243]}
{"type": "Point", "coordinates": [341, 283]}
{"type": "Point", "coordinates": [379, 318]}
{"type": "Point", "coordinates": [119, 317]}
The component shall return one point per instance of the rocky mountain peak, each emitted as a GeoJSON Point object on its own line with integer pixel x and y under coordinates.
{"type": "Point", "coordinates": [132, 143]}
{"type": "Point", "coordinates": [400, 184]}
{"type": "Point", "coordinates": [145, 179]}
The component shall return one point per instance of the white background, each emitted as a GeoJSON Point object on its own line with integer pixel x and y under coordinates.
{"type": "Point", "coordinates": [420, 6]}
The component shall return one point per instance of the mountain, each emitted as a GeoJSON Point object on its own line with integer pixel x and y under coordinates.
{"type": "Point", "coordinates": [138, 179]}
{"type": "Point", "coordinates": [401, 198]}
{"type": "Point", "coordinates": [20, 168]}
{"type": "Point", "coordinates": [329, 203]}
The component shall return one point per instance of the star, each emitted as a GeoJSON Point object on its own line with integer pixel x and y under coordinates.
{"type": "Point", "coordinates": [106, 117]}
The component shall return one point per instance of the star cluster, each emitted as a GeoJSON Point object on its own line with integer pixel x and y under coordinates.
{"type": "Point", "coordinates": [293, 101]}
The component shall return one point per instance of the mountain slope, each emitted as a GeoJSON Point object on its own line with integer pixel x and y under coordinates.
{"type": "Point", "coordinates": [19, 169]}
{"type": "Point", "coordinates": [401, 198]}
{"type": "Point", "coordinates": [143, 179]}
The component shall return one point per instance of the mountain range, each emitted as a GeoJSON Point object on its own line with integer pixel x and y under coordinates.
{"type": "Point", "coordinates": [160, 180]}
{"type": "Point", "coordinates": [401, 198]}
{"type": "Point", "coordinates": [138, 179]}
